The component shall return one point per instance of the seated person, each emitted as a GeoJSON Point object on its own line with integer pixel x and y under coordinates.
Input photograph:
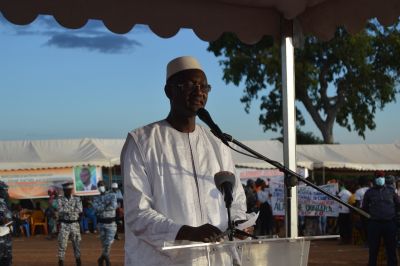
{"type": "Point", "coordinates": [21, 219]}
{"type": "Point", "coordinates": [17, 222]}
{"type": "Point", "coordinates": [88, 215]}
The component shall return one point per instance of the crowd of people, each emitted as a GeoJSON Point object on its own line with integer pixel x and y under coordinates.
{"type": "Point", "coordinates": [170, 170]}
{"type": "Point", "coordinates": [379, 196]}
{"type": "Point", "coordinates": [65, 218]}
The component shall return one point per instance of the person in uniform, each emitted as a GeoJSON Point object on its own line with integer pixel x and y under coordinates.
{"type": "Point", "coordinates": [381, 202]}
{"type": "Point", "coordinates": [5, 232]}
{"type": "Point", "coordinates": [105, 205]}
{"type": "Point", "coordinates": [69, 209]}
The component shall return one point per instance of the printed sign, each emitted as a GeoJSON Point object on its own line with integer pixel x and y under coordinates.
{"type": "Point", "coordinates": [310, 201]}
{"type": "Point", "coordinates": [30, 184]}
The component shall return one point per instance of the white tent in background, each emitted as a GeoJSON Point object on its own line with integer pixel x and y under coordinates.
{"type": "Point", "coordinates": [40, 154]}
{"type": "Point", "coordinates": [272, 149]}
{"type": "Point", "coordinates": [362, 157]}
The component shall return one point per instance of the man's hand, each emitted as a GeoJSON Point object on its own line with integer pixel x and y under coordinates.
{"type": "Point", "coordinates": [204, 233]}
{"type": "Point", "coordinates": [249, 230]}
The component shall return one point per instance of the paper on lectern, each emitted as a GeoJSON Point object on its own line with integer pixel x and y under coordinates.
{"type": "Point", "coordinates": [250, 222]}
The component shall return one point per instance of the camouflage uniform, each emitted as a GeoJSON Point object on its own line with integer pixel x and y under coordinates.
{"type": "Point", "coordinates": [105, 206]}
{"type": "Point", "coordinates": [68, 211]}
{"type": "Point", "coordinates": [5, 241]}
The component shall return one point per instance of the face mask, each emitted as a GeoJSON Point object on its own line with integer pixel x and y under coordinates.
{"type": "Point", "coordinates": [380, 181]}
{"type": "Point", "coordinates": [102, 189]}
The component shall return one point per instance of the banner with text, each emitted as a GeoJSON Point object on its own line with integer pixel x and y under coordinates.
{"type": "Point", "coordinates": [310, 201]}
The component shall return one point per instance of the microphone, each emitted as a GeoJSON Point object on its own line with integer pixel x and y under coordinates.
{"type": "Point", "coordinates": [225, 182]}
{"type": "Point", "coordinates": [204, 116]}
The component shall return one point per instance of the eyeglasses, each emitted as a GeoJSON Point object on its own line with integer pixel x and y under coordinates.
{"type": "Point", "coordinates": [190, 86]}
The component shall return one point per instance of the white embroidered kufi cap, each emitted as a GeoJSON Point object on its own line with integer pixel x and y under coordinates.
{"type": "Point", "coordinates": [182, 63]}
{"type": "Point", "coordinates": [68, 185]}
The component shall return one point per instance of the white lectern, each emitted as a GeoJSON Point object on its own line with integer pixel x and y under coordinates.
{"type": "Point", "coordinates": [260, 252]}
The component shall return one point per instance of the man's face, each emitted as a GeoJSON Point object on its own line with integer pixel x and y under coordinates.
{"type": "Point", "coordinates": [188, 93]}
{"type": "Point", "coordinates": [68, 192]}
{"type": "Point", "coordinates": [85, 176]}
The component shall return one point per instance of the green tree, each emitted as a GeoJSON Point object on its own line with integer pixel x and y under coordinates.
{"type": "Point", "coordinates": [304, 138]}
{"type": "Point", "coordinates": [343, 80]}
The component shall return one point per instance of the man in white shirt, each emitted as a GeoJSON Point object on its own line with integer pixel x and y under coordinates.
{"type": "Point", "coordinates": [362, 223]}
{"type": "Point", "coordinates": [344, 220]}
{"type": "Point", "coordinates": [265, 220]}
{"type": "Point", "coordinates": [168, 169]}
{"type": "Point", "coordinates": [359, 194]}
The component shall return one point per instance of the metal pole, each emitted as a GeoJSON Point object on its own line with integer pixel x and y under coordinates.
{"type": "Point", "coordinates": [110, 177]}
{"type": "Point", "coordinates": [289, 124]}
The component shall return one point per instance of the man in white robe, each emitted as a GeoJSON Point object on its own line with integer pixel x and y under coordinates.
{"type": "Point", "coordinates": [168, 168]}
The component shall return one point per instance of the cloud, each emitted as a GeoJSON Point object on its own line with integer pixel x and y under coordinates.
{"type": "Point", "coordinates": [106, 43]}
{"type": "Point", "coordinates": [94, 36]}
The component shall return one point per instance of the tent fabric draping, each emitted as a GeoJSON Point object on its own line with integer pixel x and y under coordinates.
{"type": "Point", "coordinates": [248, 19]}
{"type": "Point", "coordinates": [38, 154]}
{"type": "Point", "coordinates": [365, 157]}
{"type": "Point", "coordinates": [272, 149]}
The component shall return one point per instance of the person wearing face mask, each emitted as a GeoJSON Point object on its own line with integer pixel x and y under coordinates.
{"type": "Point", "coordinates": [381, 203]}
{"type": "Point", "coordinates": [105, 205]}
{"type": "Point", "coordinates": [69, 209]}
{"type": "Point", "coordinates": [5, 218]}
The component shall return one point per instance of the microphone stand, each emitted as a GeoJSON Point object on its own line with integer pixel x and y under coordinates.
{"type": "Point", "coordinates": [290, 175]}
{"type": "Point", "coordinates": [232, 231]}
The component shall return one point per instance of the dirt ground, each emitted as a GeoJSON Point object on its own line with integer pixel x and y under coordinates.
{"type": "Point", "coordinates": [37, 250]}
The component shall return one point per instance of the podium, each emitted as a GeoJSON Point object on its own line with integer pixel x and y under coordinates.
{"type": "Point", "coordinates": [264, 251]}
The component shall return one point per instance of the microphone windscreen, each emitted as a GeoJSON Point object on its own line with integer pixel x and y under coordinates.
{"type": "Point", "coordinates": [222, 177]}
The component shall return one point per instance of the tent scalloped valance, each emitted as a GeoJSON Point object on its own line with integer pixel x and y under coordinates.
{"type": "Point", "coordinates": [250, 20]}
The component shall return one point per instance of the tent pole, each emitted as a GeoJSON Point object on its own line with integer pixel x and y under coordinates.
{"type": "Point", "coordinates": [110, 177]}
{"type": "Point", "coordinates": [289, 124]}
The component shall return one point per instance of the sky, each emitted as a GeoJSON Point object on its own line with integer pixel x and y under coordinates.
{"type": "Point", "coordinates": [58, 83]}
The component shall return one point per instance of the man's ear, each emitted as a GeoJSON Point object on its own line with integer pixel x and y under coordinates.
{"type": "Point", "coordinates": [167, 90]}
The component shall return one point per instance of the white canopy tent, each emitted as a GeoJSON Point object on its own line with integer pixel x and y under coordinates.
{"type": "Point", "coordinates": [42, 154]}
{"type": "Point", "coordinates": [362, 157]}
{"type": "Point", "coordinates": [248, 19]}
{"type": "Point", "coordinates": [272, 149]}
{"type": "Point", "coordinates": [38, 154]}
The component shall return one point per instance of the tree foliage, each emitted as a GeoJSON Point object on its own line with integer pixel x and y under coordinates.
{"type": "Point", "coordinates": [342, 81]}
{"type": "Point", "coordinates": [304, 138]}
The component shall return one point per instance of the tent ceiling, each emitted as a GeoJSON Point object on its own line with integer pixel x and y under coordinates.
{"type": "Point", "coordinates": [248, 19]}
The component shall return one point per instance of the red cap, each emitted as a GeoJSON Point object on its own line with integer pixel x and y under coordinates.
{"type": "Point", "coordinates": [379, 173]}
